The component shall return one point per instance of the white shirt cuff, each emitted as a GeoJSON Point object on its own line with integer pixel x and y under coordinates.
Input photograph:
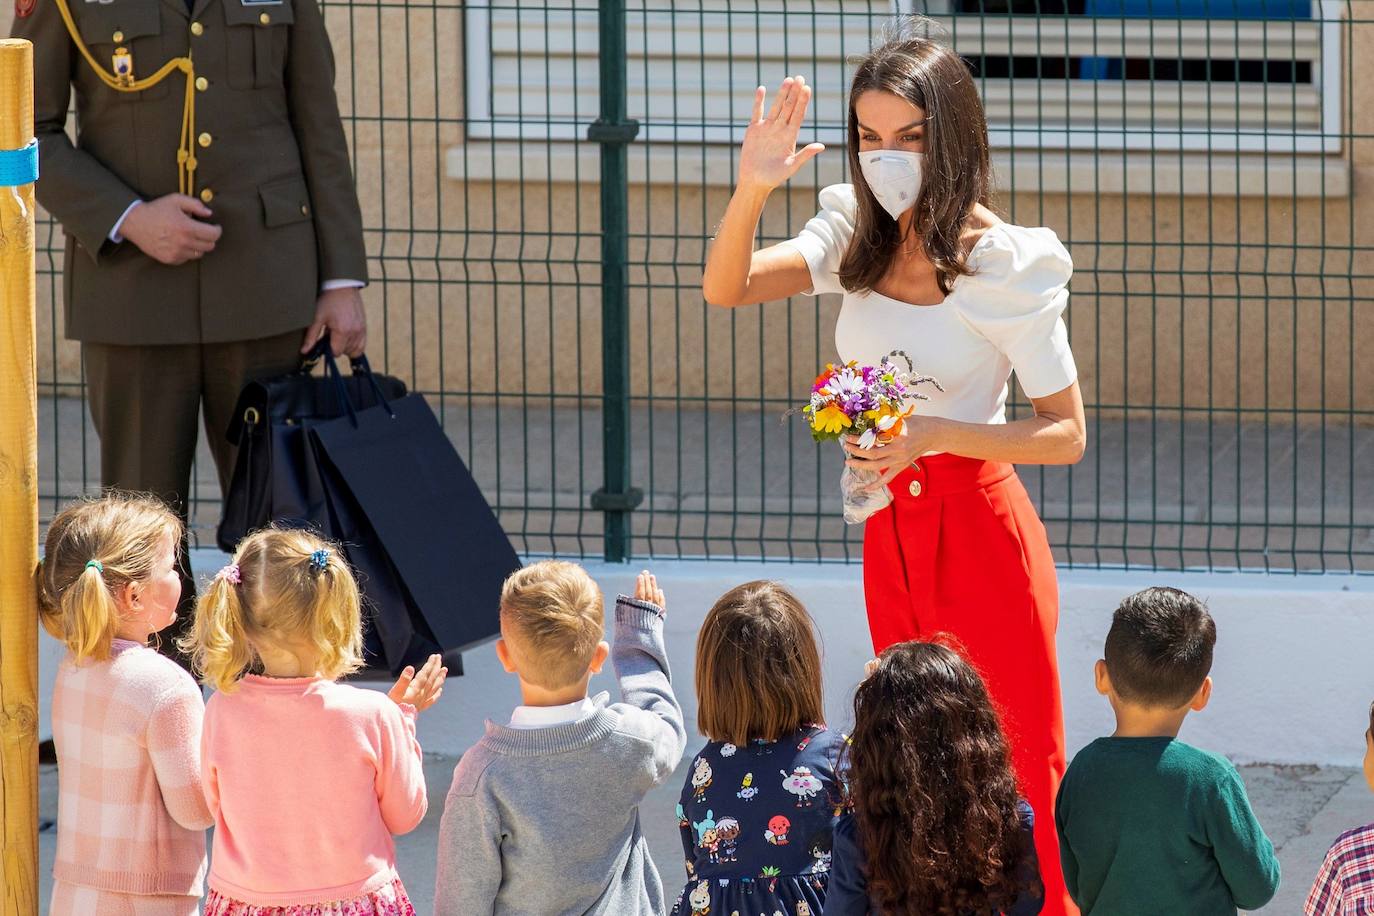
{"type": "Point", "coordinates": [327, 285]}
{"type": "Point", "coordinates": [114, 231]}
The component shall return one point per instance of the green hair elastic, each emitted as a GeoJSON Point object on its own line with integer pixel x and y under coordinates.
{"type": "Point", "coordinates": [99, 566]}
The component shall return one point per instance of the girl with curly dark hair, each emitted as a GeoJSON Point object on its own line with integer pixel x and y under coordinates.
{"type": "Point", "coordinates": [936, 825]}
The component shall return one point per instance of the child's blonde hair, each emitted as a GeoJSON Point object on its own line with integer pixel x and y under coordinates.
{"type": "Point", "coordinates": [284, 584]}
{"type": "Point", "coordinates": [95, 548]}
{"type": "Point", "coordinates": [554, 609]}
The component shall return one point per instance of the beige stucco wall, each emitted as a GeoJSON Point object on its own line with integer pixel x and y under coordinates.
{"type": "Point", "coordinates": [1178, 300]}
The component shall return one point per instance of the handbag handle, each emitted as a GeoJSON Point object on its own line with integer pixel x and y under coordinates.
{"type": "Point", "coordinates": [322, 350]}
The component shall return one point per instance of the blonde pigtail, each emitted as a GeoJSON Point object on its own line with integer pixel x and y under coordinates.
{"type": "Point", "coordinates": [218, 643]}
{"type": "Point", "coordinates": [91, 615]}
{"type": "Point", "coordinates": [338, 610]}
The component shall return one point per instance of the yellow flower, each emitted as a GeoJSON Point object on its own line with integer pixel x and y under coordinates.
{"type": "Point", "coordinates": [830, 420]}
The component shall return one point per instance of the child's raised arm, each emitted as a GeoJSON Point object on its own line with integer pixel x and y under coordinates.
{"type": "Point", "coordinates": [641, 664]}
{"type": "Point", "coordinates": [400, 780]}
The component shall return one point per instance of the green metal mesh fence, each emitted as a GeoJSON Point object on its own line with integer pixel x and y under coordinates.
{"type": "Point", "coordinates": [1202, 160]}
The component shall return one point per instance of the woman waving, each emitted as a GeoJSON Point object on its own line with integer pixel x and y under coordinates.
{"type": "Point", "coordinates": [926, 267]}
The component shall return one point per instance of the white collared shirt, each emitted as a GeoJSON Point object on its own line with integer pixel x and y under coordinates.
{"type": "Point", "coordinates": [546, 716]}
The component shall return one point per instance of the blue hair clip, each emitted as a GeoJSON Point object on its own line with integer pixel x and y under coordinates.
{"type": "Point", "coordinates": [319, 560]}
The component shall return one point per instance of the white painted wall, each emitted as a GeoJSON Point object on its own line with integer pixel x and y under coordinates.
{"type": "Point", "coordinates": [1294, 667]}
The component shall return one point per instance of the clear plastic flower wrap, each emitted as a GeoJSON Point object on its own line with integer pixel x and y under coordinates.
{"type": "Point", "coordinates": [871, 403]}
{"type": "Point", "coordinates": [861, 499]}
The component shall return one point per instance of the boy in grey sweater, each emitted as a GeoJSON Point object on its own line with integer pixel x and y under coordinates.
{"type": "Point", "coordinates": [543, 814]}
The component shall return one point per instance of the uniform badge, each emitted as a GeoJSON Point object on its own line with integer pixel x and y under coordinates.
{"type": "Point", "coordinates": [24, 8]}
{"type": "Point", "coordinates": [122, 63]}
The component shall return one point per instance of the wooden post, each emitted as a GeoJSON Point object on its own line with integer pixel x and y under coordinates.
{"type": "Point", "coordinates": [18, 502]}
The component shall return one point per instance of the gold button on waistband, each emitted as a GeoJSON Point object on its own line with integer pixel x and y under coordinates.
{"type": "Point", "coordinates": [202, 83]}
{"type": "Point", "coordinates": [205, 139]}
{"type": "Point", "coordinates": [118, 36]}
{"type": "Point", "coordinates": [305, 210]}
{"type": "Point", "coordinates": [915, 488]}
{"type": "Point", "coordinates": [207, 195]}
{"type": "Point", "coordinates": [264, 19]}
{"type": "Point", "coordinates": [197, 29]}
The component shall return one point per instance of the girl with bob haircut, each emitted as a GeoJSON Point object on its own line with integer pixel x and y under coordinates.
{"type": "Point", "coordinates": [760, 799]}
{"type": "Point", "coordinates": [936, 827]}
{"type": "Point", "coordinates": [307, 778]}
{"type": "Point", "coordinates": [924, 265]}
{"type": "Point", "coordinates": [131, 813]}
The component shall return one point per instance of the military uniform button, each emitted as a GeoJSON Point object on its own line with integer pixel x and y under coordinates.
{"type": "Point", "coordinates": [207, 195]}
{"type": "Point", "coordinates": [915, 488]}
{"type": "Point", "coordinates": [202, 83]}
{"type": "Point", "coordinates": [265, 19]}
{"type": "Point", "coordinates": [197, 29]}
{"type": "Point", "coordinates": [205, 140]}
{"type": "Point", "coordinates": [118, 37]}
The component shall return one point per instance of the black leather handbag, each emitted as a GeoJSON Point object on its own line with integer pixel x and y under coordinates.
{"type": "Point", "coordinates": [274, 476]}
{"type": "Point", "coordinates": [367, 464]}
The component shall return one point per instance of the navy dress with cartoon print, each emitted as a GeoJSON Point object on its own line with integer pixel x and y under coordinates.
{"type": "Point", "coordinates": [756, 826]}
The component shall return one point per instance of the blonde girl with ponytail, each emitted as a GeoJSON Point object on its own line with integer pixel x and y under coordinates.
{"type": "Point", "coordinates": [308, 779]}
{"type": "Point", "coordinates": [131, 811]}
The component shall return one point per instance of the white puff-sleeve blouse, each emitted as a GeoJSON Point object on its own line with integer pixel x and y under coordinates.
{"type": "Point", "coordinates": [1005, 316]}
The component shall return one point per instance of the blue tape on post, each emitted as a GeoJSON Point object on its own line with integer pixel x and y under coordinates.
{"type": "Point", "coordinates": [19, 166]}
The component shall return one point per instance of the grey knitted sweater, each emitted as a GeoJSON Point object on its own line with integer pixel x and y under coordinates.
{"type": "Point", "coordinates": [545, 821]}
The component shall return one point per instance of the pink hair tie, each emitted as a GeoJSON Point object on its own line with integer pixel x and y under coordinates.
{"type": "Point", "coordinates": [230, 573]}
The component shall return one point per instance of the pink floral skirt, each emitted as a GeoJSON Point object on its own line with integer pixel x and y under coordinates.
{"type": "Point", "coordinates": [387, 900]}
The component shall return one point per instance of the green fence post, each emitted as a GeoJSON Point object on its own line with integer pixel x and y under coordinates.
{"type": "Point", "coordinates": [614, 131]}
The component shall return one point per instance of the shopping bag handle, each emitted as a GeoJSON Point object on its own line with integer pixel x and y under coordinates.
{"type": "Point", "coordinates": [359, 366]}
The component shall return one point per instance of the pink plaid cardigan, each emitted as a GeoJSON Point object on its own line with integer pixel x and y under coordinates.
{"type": "Point", "coordinates": [131, 814]}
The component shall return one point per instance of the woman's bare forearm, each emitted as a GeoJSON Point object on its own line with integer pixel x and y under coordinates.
{"type": "Point", "coordinates": [725, 281]}
{"type": "Point", "coordinates": [1034, 440]}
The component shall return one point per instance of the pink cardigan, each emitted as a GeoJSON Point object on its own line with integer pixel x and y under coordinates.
{"type": "Point", "coordinates": [308, 780]}
{"type": "Point", "coordinates": [131, 815]}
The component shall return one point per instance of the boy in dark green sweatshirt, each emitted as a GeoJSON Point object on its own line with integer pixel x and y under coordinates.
{"type": "Point", "coordinates": [1147, 824]}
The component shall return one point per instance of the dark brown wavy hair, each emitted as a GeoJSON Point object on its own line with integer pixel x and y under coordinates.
{"type": "Point", "coordinates": [956, 173]}
{"type": "Point", "coordinates": [932, 789]}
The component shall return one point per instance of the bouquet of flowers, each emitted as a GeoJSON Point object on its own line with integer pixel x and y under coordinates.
{"type": "Point", "coordinates": [871, 402]}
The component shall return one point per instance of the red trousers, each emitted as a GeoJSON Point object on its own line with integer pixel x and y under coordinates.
{"type": "Point", "coordinates": [961, 551]}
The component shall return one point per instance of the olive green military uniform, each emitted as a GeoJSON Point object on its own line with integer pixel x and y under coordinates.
{"type": "Point", "coordinates": [273, 166]}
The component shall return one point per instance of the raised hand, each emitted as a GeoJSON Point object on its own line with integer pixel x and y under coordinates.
{"type": "Point", "coordinates": [420, 689]}
{"type": "Point", "coordinates": [646, 589]}
{"type": "Point", "coordinates": [770, 156]}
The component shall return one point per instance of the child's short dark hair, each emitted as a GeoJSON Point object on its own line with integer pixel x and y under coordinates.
{"type": "Point", "coordinates": [1159, 649]}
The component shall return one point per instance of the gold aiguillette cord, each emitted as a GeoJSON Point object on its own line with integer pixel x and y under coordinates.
{"type": "Point", "coordinates": [186, 156]}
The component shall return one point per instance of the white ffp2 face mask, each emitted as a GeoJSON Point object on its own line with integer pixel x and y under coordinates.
{"type": "Point", "coordinates": [894, 177]}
